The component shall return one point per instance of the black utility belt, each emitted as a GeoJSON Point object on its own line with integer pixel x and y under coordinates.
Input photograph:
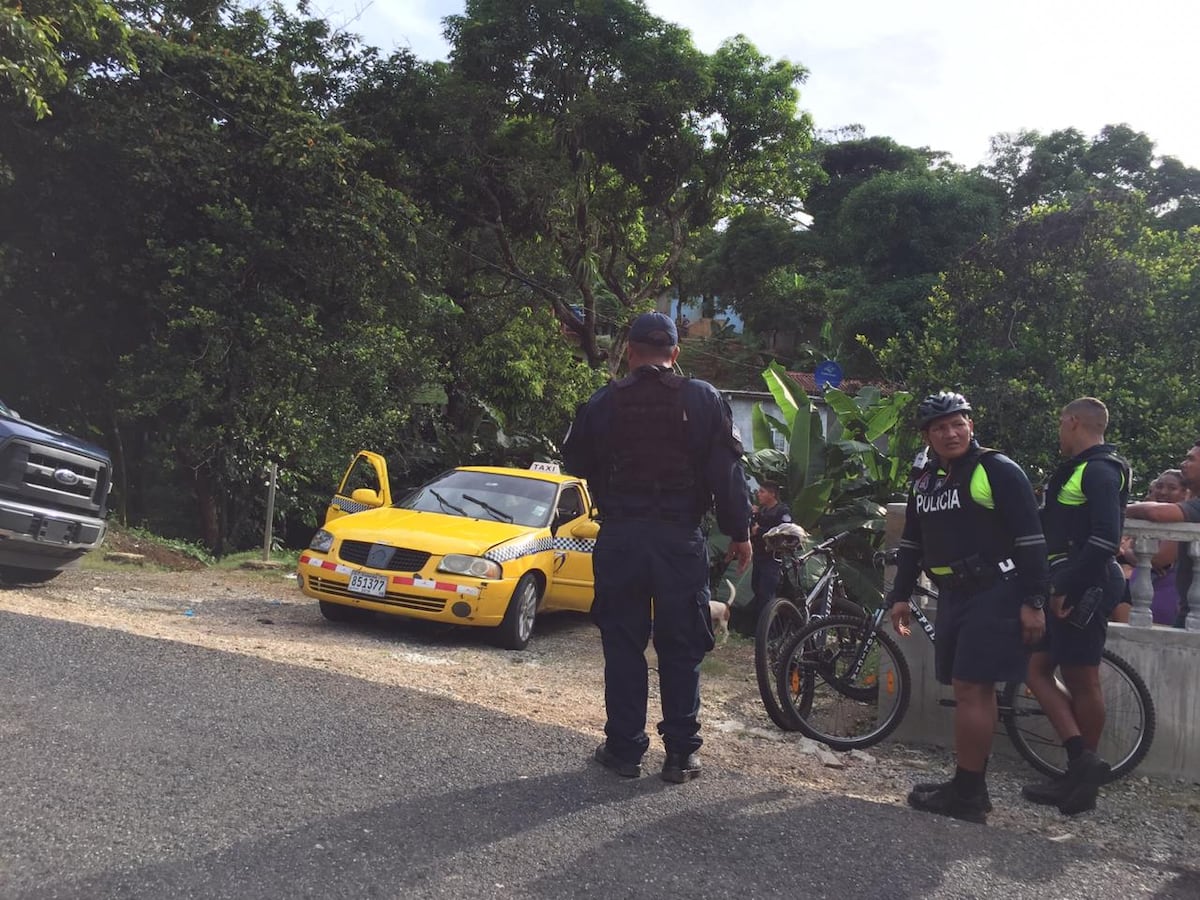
{"type": "Point", "coordinates": [975, 574]}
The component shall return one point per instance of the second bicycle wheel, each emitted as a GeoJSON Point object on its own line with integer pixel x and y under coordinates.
{"type": "Point", "coordinates": [779, 621]}
{"type": "Point", "coordinates": [846, 683]}
{"type": "Point", "coordinates": [1128, 724]}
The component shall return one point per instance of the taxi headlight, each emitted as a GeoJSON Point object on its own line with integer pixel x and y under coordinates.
{"type": "Point", "coordinates": [321, 541]}
{"type": "Point", "coordinates": [475, 566]}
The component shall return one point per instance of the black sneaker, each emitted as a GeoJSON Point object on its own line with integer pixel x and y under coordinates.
{"type": "Point", "coordinates": [1084, 777]}
{"type": "Point", "coordinates": [947, 801]}
{"type": "Point", "coordinates": [929, 787]}
{"type": "Point", "coordinates": [625, 769]}
{"type": "Point", "coordinates": [681, 767]}
{"type": "Point", "coordinates": [1047, 793]}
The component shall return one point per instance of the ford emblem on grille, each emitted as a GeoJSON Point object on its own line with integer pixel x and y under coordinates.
{"type": "Point", "coordinates": [66, 477]}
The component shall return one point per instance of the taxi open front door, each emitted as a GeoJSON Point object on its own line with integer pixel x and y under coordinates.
{"type": "Point", "coordinates": [364, 486]}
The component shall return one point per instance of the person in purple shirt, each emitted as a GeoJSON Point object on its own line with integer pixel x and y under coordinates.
{"type": "Point", "coordinates": [1183, 511]}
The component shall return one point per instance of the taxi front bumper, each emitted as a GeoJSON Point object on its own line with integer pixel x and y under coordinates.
{"type": "Point", "coordinates": [441, 598]}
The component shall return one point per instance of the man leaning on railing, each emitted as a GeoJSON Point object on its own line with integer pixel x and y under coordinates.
{"type": "Point", "coordinates": [1184, 511]}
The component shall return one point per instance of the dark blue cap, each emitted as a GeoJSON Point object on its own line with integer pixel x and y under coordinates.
{"type": "Point", "coordinates": [654, 328]}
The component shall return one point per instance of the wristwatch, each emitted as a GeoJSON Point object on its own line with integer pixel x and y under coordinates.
{"type": "Point", "coordinates": [1036, 601]}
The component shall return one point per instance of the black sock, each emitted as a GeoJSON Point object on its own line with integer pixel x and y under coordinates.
{"type": "Point", "coordinates": [968, 782]}
{"type": "Point", "coordinates": [1074, 747]}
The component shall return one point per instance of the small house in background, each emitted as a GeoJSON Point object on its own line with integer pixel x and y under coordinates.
{"type": "Point", "coordinates": [742, 403]}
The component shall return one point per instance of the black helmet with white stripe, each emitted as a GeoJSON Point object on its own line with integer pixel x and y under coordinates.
{"type": "Point", "coordinates": [940, 404]}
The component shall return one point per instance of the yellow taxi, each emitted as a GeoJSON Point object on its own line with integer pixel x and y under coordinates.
{"type": "Point", "coordinates": [478, 545]}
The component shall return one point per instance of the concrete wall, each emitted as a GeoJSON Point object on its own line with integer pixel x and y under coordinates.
{"type": "Point", "coordinates": [1168, 659]}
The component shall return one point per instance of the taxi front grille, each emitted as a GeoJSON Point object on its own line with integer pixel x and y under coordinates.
{"type": "Point", "coordinates": [358, 553]}
{"type": "Point", "coordinates": [391, 598]}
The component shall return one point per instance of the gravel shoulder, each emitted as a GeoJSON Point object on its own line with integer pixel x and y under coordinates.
{"type": "Point", "coordinates": [559, 680]}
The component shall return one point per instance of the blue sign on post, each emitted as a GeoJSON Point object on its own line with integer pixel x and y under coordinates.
{"type": "Point", "coordinates": [828, 374]}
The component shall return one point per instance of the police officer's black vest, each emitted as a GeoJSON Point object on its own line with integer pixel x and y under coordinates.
{"type": "Point", "coordinates": [954, 527]}
{"type": "Point", "coordinates": [1067, 526]}
{"type": "Point", "coordinates": [650, 465]}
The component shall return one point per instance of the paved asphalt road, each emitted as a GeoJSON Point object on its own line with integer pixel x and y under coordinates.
{"type": "Point", "coordinates": [137, 768]}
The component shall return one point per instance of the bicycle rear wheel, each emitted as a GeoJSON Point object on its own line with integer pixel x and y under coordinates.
{"type": "Point", "coordinates": [778, 622]}
{"type": "Point", "coordinates": [845, 682]}
{"type": "Point", "coordinates": [1128, 726]}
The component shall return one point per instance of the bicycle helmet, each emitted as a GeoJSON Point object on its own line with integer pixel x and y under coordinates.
{"type": "Point", "coordinates": [940, 404]}
{"type": "Point", "coordinates": [785, 538]}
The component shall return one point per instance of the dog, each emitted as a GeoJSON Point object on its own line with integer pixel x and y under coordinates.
{"type": "Point", "coordinates": [720, 614]}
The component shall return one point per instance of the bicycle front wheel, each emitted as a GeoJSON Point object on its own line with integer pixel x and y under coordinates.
{"type": "Point", "coordinates": [845, 682]}
{"type": "Point", "coordinates": [1129, 721]}
{"type": "Point", "coordinates": [779, 621]}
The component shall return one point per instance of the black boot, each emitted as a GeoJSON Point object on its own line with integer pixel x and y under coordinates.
{"type": "Point", "coordinates": [681, 767]}
{"type": "Point", "coordinates": [949, 800]}
{"type": "Point", "coordinates": [1047, 793]}
{"type": "Point", "coordinates": [930, 787]}
{"type": "Point", "coordinates": [1084, 777]}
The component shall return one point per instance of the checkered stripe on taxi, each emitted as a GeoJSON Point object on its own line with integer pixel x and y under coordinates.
{"type": "Point", "coordinates": [528, 547]}
{"type": "Point", "coordinates": [349, 506]}
{"type": "Point", "coordinates": [407, 580]}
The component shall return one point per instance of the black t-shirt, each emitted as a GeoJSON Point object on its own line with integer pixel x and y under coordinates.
{"type": "Point", "coordinates": [766, 519]}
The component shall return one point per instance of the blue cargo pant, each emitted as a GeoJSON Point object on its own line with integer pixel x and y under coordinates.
{"type": "Point", "coordinates": [636, 562]}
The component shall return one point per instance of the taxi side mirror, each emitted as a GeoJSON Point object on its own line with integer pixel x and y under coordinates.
{"type": "Point", "coordinates": [586, 530]}
{"type": "Point", "coordinates": [366, 497]}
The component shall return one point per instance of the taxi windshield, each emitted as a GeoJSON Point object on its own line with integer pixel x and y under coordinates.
{"type": "Point", "coordinates": [486, 495]}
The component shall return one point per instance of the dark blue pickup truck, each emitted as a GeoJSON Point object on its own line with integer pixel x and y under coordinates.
{"type": "Point", "coordinates": [53, 499]}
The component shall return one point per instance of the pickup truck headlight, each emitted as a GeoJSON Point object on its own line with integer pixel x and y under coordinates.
{"type": "Point", "coordinates": [475, 566]}
{"type": "Point", "coordinates": [321, 541]}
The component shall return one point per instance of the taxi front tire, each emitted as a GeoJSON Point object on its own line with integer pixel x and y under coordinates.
{"type": "Point", "coordinates": [516, 628]}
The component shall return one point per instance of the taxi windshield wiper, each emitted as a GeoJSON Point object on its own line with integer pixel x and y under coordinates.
{"type": "Point", "coordinates": [496, 513]}
{"type": "Point", "coordinates": [446, 504]}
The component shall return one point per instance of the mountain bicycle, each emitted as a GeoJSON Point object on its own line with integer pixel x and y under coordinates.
{"type": "Point", "coordinates": [784, 615]}
{"type": "Point", "coordinates": [828, 657]}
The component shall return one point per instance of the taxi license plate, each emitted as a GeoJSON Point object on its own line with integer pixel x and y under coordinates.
{"type": "Point", "coordinates": [370, 585]}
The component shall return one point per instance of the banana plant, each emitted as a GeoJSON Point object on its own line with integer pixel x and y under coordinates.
{"type": "Point", "coordinates": [838, 472]}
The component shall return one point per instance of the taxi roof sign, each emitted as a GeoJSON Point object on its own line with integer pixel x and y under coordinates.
{"type": "Point", "coordinates": [551, 468]}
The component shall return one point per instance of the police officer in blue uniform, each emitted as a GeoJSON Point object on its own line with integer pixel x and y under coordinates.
{"type": "Point", "coordinates": [658, 451]}
{"type": "Point", "coordinates": [972, 524]}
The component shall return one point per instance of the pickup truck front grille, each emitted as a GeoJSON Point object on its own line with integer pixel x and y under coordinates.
{"type": "Point", "coordinates": [53, 477]}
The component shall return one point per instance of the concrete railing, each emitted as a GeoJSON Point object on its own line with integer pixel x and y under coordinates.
{"type": "Point", "coordinates": [1166, 658]}
{"type": "Point", "coordinates": [1146, 537]}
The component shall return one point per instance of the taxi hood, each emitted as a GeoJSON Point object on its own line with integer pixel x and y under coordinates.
{"type": "Point", "coordinates": [431, 532]}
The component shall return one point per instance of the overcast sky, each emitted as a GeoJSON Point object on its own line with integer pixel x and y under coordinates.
{"type": "Point", "coordinates": [946, 74]}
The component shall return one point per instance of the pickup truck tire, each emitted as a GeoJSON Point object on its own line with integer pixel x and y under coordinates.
{"type": "Point", "coordinates": [515, 630]}
{"type": "Point", "coordinates": [18, 575]}
{"type": "Point", "coordinates": [336, 612]}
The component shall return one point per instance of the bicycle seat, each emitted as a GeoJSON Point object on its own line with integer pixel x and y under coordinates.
{"type": "Point", "coordinates": [784, 538]}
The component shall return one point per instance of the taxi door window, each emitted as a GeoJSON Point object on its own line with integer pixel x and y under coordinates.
{"type": "Point", "coordinates": [570, 504]}
{"type": "Point", "coordinates": [361, 475]}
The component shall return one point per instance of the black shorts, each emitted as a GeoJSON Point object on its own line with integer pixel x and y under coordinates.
{"type": "Point", "coordinates": [979, 635]}
{"type": "Point", "coordinates": [1071, 646]}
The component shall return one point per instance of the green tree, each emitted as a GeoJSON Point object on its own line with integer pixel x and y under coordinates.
{"type": "Point", "coordinates": [47, 45]}
{"type": "Point", "coordinates": [1091, 298]}
{"type": "Point", "coordinates": [589, 144]}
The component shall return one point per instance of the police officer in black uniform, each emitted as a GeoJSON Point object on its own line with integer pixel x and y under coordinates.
{"type": "Point", "coordinates": [972, 524]}
{"type": "Point", "coordinates": [657, 450]}
{"type": "Point", "coordinates": [1083, 519]}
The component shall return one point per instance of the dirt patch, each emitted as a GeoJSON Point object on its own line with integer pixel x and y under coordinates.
{"type": "Point", "coordinates": [559, 680]}
{"type": "Point", "coordinates": [154, 553]}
